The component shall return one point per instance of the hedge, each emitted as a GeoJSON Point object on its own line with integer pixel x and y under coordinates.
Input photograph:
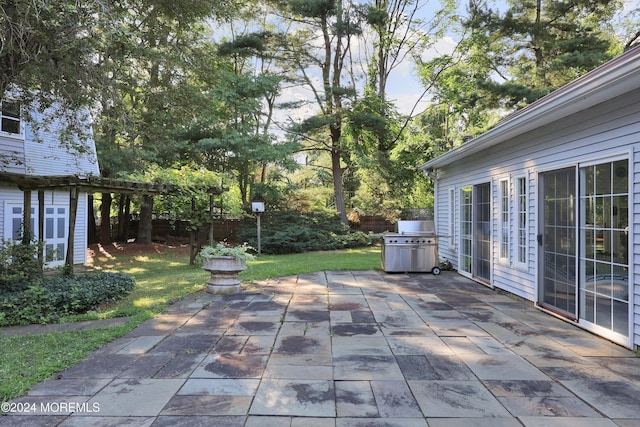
{"type": "Point", "coordinates": [285, 232]}
{"type": "Point", "coordinates": [55, 297]}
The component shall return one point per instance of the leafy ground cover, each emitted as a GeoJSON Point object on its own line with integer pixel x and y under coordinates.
{"type": "Point", "coordinates": [162, 274]}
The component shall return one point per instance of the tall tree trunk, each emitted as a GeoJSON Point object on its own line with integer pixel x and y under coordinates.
{"type": "Point", "coordinates": [127, 218]}
{"type": "Point", "coordinates": [119, 236]}
{"type": "Point", "coordinates": [335, 105]}
{"type": "Point", "coordinates": [193, 250]}
{"type": "Point", "coordinates": [144, 228]}
{"type": "Point", "coordinates": [538, 48]}
{"type": "Point", "coordinates": [338, 185]}
{"type": "Point", "coordinates": [105, 215]}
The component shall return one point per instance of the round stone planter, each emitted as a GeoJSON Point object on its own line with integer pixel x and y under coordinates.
{"type": "Point", "coordinates": [224, 274]}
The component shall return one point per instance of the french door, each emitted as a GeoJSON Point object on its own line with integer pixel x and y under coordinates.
{"type": "Point", "coordinates": [558, 242]}
{"type": "Point", "coordinates": [584, 255]}
{"type": "Point", "coordinates": [475, 231]}
{"type": "Point", "coordinates": [56, 229]}
{"type": "Point", "coordinates": [604, 253]}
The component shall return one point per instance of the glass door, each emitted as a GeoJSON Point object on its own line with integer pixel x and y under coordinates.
{"type": "Point", "coordinates": [557, 241]}
{"type": "Point", "coordinates": [466, 227]}
{"type": "Point", "coordinates": [604, 256]}
{"type": "Point", "coordinates": [482, 232]}
{"type": "Point", "coordinates": [475, 231]}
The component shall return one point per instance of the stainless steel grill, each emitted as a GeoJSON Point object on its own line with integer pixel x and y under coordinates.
{"type": "Point", "coordinates": [412, 248]}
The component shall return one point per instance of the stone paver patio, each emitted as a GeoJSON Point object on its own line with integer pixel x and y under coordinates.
{"type": "Point", "coordinates": [347, 349]}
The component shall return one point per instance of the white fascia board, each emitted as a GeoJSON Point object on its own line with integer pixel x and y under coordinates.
{"type": "Point", "coordinates": [613, 79]}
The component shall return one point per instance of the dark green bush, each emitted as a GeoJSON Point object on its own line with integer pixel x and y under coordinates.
{"type": "Point", "coordinates": [61, 296]}
{"type": "Point", "coordinates": [19, 266]}
{"type": "Point", "coordinates": [285, 232]}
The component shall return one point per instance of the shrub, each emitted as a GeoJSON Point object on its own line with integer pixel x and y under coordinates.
{"type": "Point", "coordinates": [61, 296]}
{"type": "Point", "coordinates": [19, 266]}
{"type": "Point", "coordinates": [285, 232]}
{"type": "Point", "coordinates": [240, 252]}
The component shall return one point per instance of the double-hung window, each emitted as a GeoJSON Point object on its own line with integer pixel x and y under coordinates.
{"type": "Point", "coordinates": [10, 118]}
{"type": "Point", "coordinates": [521, 194]}
{"type": "Point", "coordinates": [504, 219]}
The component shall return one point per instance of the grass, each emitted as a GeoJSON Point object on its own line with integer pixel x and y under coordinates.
{"type": "Point", "coordinates": [267, 266]}
{"type": "Point", "coordinates": [160, 278]}
{"type": "Point", "coordinates": [27, 360]}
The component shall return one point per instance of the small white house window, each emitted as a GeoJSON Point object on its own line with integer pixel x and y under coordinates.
{"type": "Point", "coordinates": [10, 118]}
{"type": "Point", "coordinates": [522, 219]}
{"type": "Point", "coordinates": [504, 219]}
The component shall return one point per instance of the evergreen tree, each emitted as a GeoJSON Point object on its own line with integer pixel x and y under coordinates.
{"type": "Point", "coordinates": [536, 46]}
{"type": "Point", "coordinates": [510, 58]}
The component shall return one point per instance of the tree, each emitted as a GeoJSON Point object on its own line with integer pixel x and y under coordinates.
{"type": "Point", "coordinates": [343, 54]}
{"type": "Point", "coordinates": [508, 59]}
{"type": "Point", "coordinates": [232, 135]}
{"type": "Point", "coordinates": [318, 48]}
{"type": "Point", "coordinates": [628, 26]}
{"type": "Point", "coordinates": [151, 86]}
{"type": "Point", "coordinates": [233, 132]}
{"type": "Point", "coordinates": [47, 58]}
{"type": "Point", "coordinates": [536, 46]}
{"type": "Point", "coordinates": [397, 33]}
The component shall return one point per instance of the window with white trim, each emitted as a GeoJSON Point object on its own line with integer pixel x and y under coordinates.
{"type": "Point", "coordinates": [452, 218]}
{"type": "Point", "coordinates": [521, 188]}
{"type": "Point", "coordinates": [504, 219]}
{"type": "Point", "coordinates": [10, 118]}
{"type": "Point", "coordinates": [466, 229]}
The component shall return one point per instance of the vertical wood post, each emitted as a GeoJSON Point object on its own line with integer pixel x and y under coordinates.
{"type": "Point", "coordinates": [192, 234]}
{"type": "Point", "coordinates": [41, 226]}
{"type": "Point", "coordinates": [26, 218]}
{"type": "Point", "coordinates": [105, 215]}
{"type": "Point", "coordinates": [73, 211]}
{"type": "Point", "coordinates": [127, 217]}
{"type": "Point", "coordinates": [211, 214]}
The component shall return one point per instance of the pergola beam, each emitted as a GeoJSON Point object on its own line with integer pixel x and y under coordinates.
{"type": "Point", "coordinates": [76, 184]}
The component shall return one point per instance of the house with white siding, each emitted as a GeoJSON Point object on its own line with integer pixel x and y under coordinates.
{"type": "Point", "coordinates": [546, 205]}
{"type": "Point", "coordinates": [29, 155]}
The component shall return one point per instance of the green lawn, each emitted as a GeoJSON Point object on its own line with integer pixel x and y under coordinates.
{"type": "Point", "coordinates": [160, 278]}
{"type": "Point", "coordinates": [267, 266]}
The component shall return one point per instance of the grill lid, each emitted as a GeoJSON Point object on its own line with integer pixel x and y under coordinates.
{"type": "Point", "coordinates": [416, 227]}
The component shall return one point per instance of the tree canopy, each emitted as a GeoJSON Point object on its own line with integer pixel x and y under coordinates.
{"type": "Point", "coordinates": [291, 100]}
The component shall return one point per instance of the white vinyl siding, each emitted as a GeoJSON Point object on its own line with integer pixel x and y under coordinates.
{"type": "Point", "coordinates": [634, 242]}
{"type": "Point", "coordinates": [43, 154]}
{"type": "Point", "coordinates": [12, 155]}
{"type": "Point", "coordinates": [612, 127]}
